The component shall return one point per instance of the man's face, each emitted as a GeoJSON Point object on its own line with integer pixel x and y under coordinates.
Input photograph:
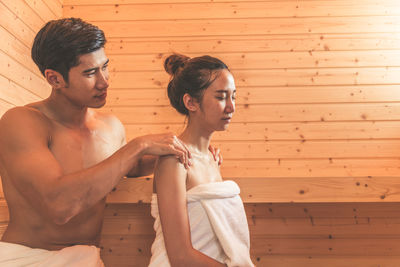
{"type": "Point", "coordinates": [88, 82]}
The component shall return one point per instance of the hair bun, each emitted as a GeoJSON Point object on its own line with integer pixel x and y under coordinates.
{"type": "Point", "coordinates": [175, 62]}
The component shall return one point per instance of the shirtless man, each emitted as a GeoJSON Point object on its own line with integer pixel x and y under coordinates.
{"type": "Point", "coordinates": [58, 158]}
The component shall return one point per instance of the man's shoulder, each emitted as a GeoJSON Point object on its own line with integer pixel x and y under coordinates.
{"type": "Point", "coordinates": [24, 115]}
{"type": "Point", "coordinates": [21, 124]}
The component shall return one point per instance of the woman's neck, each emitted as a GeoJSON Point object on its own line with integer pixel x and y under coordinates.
{"type": "Point", "coordinates": [196, 138]}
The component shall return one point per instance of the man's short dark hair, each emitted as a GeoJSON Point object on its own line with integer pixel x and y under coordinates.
{"type": "Point", "coordinates": [59, 44]}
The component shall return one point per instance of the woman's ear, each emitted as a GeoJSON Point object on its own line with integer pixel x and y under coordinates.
{"type": "Point", "coordinates": [190, 102]}
{"type": "Point", "coordinates": [54, 78]}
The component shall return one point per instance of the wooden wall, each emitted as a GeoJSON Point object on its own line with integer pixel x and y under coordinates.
{"type": "Point", "coordinates": [318, 86]}
{"type": "Point", "coordinates": [317, 119]}
{"type": "Point", "coordinates": [20, 80]}
{"type": "Point", "coordinates": [314, 143]}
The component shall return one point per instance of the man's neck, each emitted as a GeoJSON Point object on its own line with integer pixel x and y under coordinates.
{"type": "Point", "coordinates": [65, 112]}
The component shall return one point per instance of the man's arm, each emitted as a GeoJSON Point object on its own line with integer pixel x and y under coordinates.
{"type": "Point", "coordinates": [37, 175]}
{"type": "Point", "coordinates": [145, 165]}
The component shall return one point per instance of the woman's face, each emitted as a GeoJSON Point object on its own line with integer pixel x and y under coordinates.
{"type": "Point", "coordinates": [218, 102]}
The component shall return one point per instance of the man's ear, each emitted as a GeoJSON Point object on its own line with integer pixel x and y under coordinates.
{"type": "Point", "coordinates": [190, 102]}
{"type": "Point", "coordinates": [54, 78]}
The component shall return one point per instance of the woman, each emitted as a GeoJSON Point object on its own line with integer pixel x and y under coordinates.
{"type": "Point", "coordinates": [199, 218]}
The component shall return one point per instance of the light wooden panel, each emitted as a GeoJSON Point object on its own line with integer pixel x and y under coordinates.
{"type": "Point", "coordinates": [252, 26]}
{"type": "Point", "coordinates": [20, 80]}
{"type": "Point", "coordinates": [238, 10]}
{"type": "Point", "coordinates": [316, 120]}
{"type": "Point", "coordinates": [281, 131]}
{"type": "Point", "coordinates": [256, 43]}
{"type": "Point", "coordinates": [271, 60]}
{"type": "Point", "coordinates": [271, 113]}
{"type": "Point", "coordinates": [296, 189]}
{"type": "Point", "coordinates": [269, 95]}
{"type": "Point", "coordinates": [281, 234]}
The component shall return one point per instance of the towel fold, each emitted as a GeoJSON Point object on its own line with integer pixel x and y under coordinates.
{"type": "Point", "coordinates": [15, 255]}
{"type": "Point", "coordinates": [218, 225]}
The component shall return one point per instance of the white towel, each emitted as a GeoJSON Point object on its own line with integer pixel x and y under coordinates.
{"type": "Point", "coordinates": [218, 225]}
{"type": "Point", "coordinates": [14, 255]}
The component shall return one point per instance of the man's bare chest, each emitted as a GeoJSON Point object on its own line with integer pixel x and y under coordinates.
{"type": "Point", "coordinates": [77, 150]}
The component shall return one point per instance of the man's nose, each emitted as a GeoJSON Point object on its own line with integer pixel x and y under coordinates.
{"type": "Point", "coordinates": [102, 81]}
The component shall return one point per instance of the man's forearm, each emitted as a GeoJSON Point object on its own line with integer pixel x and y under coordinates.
{"type": "Point", "coordinates": [145, 166]}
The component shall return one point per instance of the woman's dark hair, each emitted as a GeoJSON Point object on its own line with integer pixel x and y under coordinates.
{"type": "Point", "coordinates": [190, 75]}
{"type": "Point", "coordinates": [59, 44]}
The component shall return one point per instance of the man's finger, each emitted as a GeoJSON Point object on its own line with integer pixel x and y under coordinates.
{"type": "Point", "coordinates": [183, 145]}
{"type": "Point", "coordinates": [212, 150]}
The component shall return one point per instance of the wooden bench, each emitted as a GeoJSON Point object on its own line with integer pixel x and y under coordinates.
{"type": "Point", "coordinates": [293, 222]}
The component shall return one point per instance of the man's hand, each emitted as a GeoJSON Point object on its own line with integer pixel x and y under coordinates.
{"type": "Point", "coordinates": [165, 144]}
{"type": "Point", "coordinates": [217, 154]}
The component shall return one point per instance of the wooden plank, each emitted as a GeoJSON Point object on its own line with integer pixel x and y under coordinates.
{"type": "Point", "coordinates": [328, 167]}
{"type": "Point", "coordinates": [15, 94]}
{"type": "Point", "coordinates": [254, 131]}
{"type": "Point", "coordinates": [128, 261]}
{"type": "Point", "coordinates": [4, 106]}
{"type": "Point", "coordinates": [311, 149]}
{"type": "Point", "coordinates": [268, 113]}
{"type": "Point", "coordinates": [337, 226]}
{"type": "Point", "coordinates": [308, 190]}
{"type": "Point", "coordinates": [269, 95]}
{"type": "Point", "coordinates": [22, 76]}
{"type": "Point", "coordinates": [284, 190]}
{"type": "Point", "coordinates": [40, 7]}
{"type": "Point", "coordinates": [257, 43]}
{"type": "Point", "coordinates": [55, 7]}
{"type": "Point", "coordinates": [272, 60]}
{"type": "Point", "coordinates": [323, 228]}
{"type": "Point", "coordinates": [216, 27]}
{"type": "Point", "coordinates": [17, 50]}
{"type": "Point", "coordinates": [1, 192]}
{"type": "Point", "coordinates": [121, 2]}
{"type": "Point", "coordinates": [4, 216]}
{"type": "Point", "coordinates": [343, 247]}
{"type": "Point", "coordinates": [238, 10]}
{"type": "Point", "coordinates": [25, 13]}
{"type": "Point", "coordinates": [126, 2]}
{"type": "Point", "coordinates": [136, 190]}
{"type": "Point", "coordinates": [248, 150]}
{"type": "Point", "coordinates": [328, 261]}
{"type": "Point", "coordinates": [271, 77]}
{"type": "Point", "coordinates": [16, 26]}
{"type": "Point", "coordinates": [279, 260]}
{"type": "Point", "coordinates": [318, 210]}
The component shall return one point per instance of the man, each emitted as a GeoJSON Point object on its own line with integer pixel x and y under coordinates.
{"type": "Point", "coordinates": [59, 159]}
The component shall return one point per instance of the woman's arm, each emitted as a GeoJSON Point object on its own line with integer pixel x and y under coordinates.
{"type": "Point", "coordinates": [170, 179]}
